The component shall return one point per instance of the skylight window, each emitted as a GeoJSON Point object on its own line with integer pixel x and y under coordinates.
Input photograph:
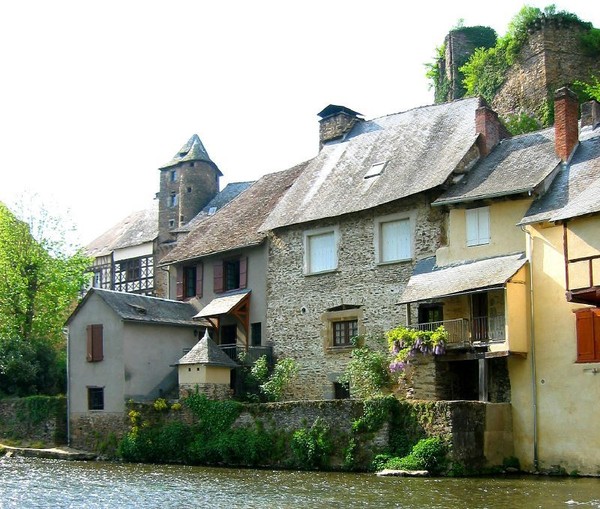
{"type": "Point", "coordinates": [212, 210]}
{"type": "Point", "coordinates": [375, 170]}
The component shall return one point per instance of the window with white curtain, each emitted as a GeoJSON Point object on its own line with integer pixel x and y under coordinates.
{"type": "Point", "coordinates": [393, 239]}
{"type": "Point", "coordinates": [478, 226]}
{"type": "Point", "coordinates": [320, 250]}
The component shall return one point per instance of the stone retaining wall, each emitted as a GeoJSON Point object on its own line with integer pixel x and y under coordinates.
{"type": "Point", "coordinates": [34, 419]}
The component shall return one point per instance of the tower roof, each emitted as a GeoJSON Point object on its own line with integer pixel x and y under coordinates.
{"type": "Point", "coordinates": [193, 150]}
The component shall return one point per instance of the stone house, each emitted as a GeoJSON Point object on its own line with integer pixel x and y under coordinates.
{"type": "Point", "coordinates": [221, 265]}
{"type": "Point", "coordinates": [125, 256]}
{"type": "Point", "coordinates": [124, 346]}
{"type": "Point", "coordinates": [345, 238]}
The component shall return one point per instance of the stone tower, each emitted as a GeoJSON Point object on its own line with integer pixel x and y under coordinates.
{"type": "Point", "coordinates": [187, 183]}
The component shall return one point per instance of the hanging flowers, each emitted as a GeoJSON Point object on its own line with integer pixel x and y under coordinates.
{"type": "Point", "coordinates": [405, 343]}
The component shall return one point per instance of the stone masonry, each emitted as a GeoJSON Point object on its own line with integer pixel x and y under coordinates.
{"type": "Point", "coordinates": [297, 302]}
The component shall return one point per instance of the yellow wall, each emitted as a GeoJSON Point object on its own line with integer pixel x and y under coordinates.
{"type": "Point", "coordinates": [518, 311]}
{"type": "Point", "coordinates": [568, 393]}
{"type": "Point", "coordinates": [190, 374]}
{"type": "Point", "coordinates": [505, 237]}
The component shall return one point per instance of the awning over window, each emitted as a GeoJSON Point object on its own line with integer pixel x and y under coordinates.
{"type": "Point", "coordinates": [431, 282]}
{"type": "Point", "coordinates": [223, 305]}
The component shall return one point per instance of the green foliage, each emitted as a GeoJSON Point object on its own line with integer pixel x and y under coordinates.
{"type": "Point", "coordinates": [511, 462]}
{"type": "Point", "coordinates": [590, 42]}
{"type": "Point", "coordinates": [214, 416]}
{"type": "Point", "coordinates": [160, 405]}
{"type": "Point", "coordinates": [367, 373]}
{"type": "Point", "coordinates": [284, 372]}
{"type": "Point", "coordinates": [260, 369]}
{"type": "Point", "coordinates": [427, 454]}
{"type": "Point", "coordinates": [521, 123]}
{"type": "Point", "coordinates": [312, 446]}
{"type": "Point", "coordinates": [589, 90]}
{"type": "Point", "coordinates": [376, 411]}
{"type": "Point", "coordinates": [31, 414]}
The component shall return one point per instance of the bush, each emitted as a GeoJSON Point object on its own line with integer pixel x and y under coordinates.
{"type": "Point", "coordinates": [367, 373]}
{"type": "Point", "coordinates": [312, 446]}
{"type": "Point", "coordinates": [427, 454]}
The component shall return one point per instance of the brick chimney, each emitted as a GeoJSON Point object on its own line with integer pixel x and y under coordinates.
{"type": "Point", "coordinates": [566, 128]}
{"type": "Point", "coordinates": [489, 128]}
{"type": "Point", "coordinates": [590, 114]}
{"type": "Point", "coordinates": [336, 121]}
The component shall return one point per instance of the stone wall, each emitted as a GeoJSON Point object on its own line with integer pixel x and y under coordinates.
{"type": "Point", "coordinates": [551, 58]}
{"type": "Point", "coordinates": [34, 419]}
{"type": "Point", "coordinates": [89, 432]}
{"type": "Point", "coordinates": [297, 302]}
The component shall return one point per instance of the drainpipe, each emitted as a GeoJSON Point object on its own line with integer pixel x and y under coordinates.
{"type": "Point", "coordinates": [534, 394]}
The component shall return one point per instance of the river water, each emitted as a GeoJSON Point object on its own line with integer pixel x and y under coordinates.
{"type": "Point", "coordinates": [33, 482]}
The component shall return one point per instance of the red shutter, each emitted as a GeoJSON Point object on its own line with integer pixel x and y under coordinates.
{"type": "Point", "coordinates": [585, 335]}
{"type": "Point", "coordinates": [97, 342]}
{"type": "Point", "coordinates": [199, 279]}
{"type": "Point", "coordinates": [243, 272]}
{"type": "Point", "coordinates": [218, 277]}
{"type": "Point", "coordinates": [179, 288]}
{"type": "Point", "coordinates": [89, 356]}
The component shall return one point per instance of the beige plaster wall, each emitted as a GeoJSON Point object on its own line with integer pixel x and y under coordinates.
{"type": "Point", "coordinates": [518, 311]}
{"type": "Point", "coordinates": [567, 392]}
{"type": "Point", "coordinates": [190, 374]}
{"type": "Point", "coordinates": [505, 237]}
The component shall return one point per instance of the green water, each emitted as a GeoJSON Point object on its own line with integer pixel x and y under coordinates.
{"type": "Point", "coordinates": [29, 482]}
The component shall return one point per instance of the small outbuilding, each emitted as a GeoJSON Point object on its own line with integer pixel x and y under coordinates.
{"type": "Point", "coordinates": [206, 368]}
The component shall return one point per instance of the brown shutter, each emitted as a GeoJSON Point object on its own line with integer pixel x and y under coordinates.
{"type": "Point", "coordinates": [199, 279]}
{"type": "Point", "coordinates": [89, 356]}
{"type": "Point", "coordinates": [243, 272]}
{"type": "Point", "coordinates": [218, 277]}
{"type": "Point", "coordinates": [97, 342]}
{"type": "Point", "coordinates": [179, 287]}
{"type": "Point", "coordinates": [585, 335]}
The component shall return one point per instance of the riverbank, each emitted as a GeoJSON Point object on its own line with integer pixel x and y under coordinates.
{"type": "Point", "coordinates": [62, 453]}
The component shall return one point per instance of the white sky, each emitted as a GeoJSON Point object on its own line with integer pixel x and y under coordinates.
{"type": "Point", "coordinates": [95, 96]}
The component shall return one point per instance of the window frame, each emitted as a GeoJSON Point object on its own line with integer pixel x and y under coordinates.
{"type": "Point", "coordinates": [409, 217]}
{"type": "Point", "coordinates": [92, 397]}
{"type": "Point", "coordinates": [316, 232]}
{"type": "Point", "coordinates": [475, 214]}
{"type": "Point", "coordinates": [94, 342]}
{"type": "Point", "coordinates": [330, 318]}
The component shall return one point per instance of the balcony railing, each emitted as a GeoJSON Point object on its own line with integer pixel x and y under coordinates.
{"type": "Point", "coordinates": [252, 354]}
{"type": "Point", "coordinates": [463, 332]}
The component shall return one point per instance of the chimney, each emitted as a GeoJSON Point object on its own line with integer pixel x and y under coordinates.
{"type": "Point", "coordinates": [590, 114]}
{"type": "Point", "coordinates": [489, 128]}
{"type": "Point", "coordinates": [566, 128]}
{"type": "Point", "coordinates": [336, 121]}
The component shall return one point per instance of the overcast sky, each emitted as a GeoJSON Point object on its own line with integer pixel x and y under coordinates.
{"type": "Point", "coordinates": [95, 96]}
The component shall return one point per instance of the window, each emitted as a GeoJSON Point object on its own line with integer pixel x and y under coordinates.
{"type": "Point", "coordinates": [256, 334]}
{"type": "Point", "coordinates": [189, 189]}
{"type": "Point", "coordinates": [132, 269]}
{"type": "Point", "coordinates": [95, 398]}
{"type": "Point", "coordinates": [340, 325]}
{"type": "Point", "coordinates": [344, 331]}
{"type": "Point", "coordinates": [95, 343]}
{"type": "Point", "coordinates": [173, 200]}
{"type": "Point", "coordinates": [588, 335]}
{"type": "Point", "coordinates": [189, 281]}
{"type": "Point", "coordinates": [393, 239]}
{"type": "Point", "coordinates": [173, 175]}
{"type": "Point", "coordinates": [171, 223]}
{"type": "Point", "coordinates": [320, 251]}
{"type": "Point", "coordinates": [375, 170]}
{"type": "Point", "coordinates": [478, 226]}
{"type": "Point", "coordinates": [341, 391]}
{"type": "Point", "coordinates": [230, 274]}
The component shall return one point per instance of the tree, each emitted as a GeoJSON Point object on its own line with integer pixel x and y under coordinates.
{"type": "Point", "coordinates": [39, 286]}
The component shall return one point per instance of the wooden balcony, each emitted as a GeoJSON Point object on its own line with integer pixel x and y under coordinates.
{"type": "Point", "coordinates": [465, 333]}
{"type": "Point", "coordinates": [588, 293]}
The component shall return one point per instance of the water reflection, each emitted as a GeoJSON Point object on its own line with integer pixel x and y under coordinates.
{"type": "Point", "coordinates": [28, 482]}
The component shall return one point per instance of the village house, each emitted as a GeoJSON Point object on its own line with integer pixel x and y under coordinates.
{"type": "Point", "coordinates": [346, 236]}
{"type": "Point", "coordinates": [124, 346]}
{"type": "Point", "coordinates": [222, 262]}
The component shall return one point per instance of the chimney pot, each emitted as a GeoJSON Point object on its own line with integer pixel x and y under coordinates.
{"type": "Point", "coordinates": [566, 128]}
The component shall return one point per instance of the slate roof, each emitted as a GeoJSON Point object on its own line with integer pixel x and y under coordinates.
{"type": "Point", "coordinates": [236, 224]}
{"type": "Point", "coordinates": [517, 165]}
{"type": "Point", "coordinates": [429, 281]}
{"type": "Point", "coordinates": [230, 191]}
{"type": "Point", "coordinates": [421, 148]}
{"type": "Point", "coordinates": [193, 150]}
{"type": "Point", "coordinates": [131, 307]}
{"type": "Point", "coordinates": [206, 351]}
{"type": "Point", "coordinates": [137, 228]}
{"type": "Point", "coordinates": [576, 189]}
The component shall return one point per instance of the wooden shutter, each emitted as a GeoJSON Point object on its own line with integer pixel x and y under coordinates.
{"type": "Point", "coordinates": [199, 279]}
{"type": "Point", "coordinates": [472, 228]}
{"type": "Point", "coordinates": [179, 287]}
{"type": "Point", "coordinates": [218, 277]}
{"type": "Point", "coordinates": [95, 340]}
{"type": "Point", "coordinates": [588, 326]}
{"type": "Point", "coordinates": [243, 272]}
